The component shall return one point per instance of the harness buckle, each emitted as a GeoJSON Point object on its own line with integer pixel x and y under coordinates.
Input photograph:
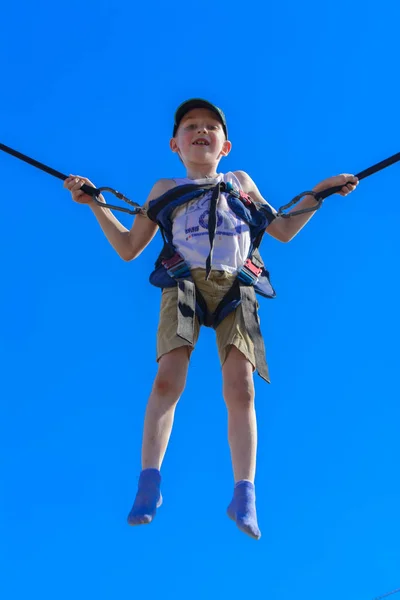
{"type": "Point", "coordinates": [176, 266]}
{"type": "Point", "coordinates": [252, 267]}
{"type": "Point", "coordinates": [249, 273]}
{"type": "Point", "coordinates": [245, 198]}
{"type": "Point", "coordinates": [228, 187]}
{"type": "Point", "coordinates": [171, 262]}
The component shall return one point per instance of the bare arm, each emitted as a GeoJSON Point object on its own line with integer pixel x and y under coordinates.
{"type": "Point", "coordinates": [130, 243]}
{"type": "Point", "coordinates": [143, 229]}
{"type": "Point", "coordinates": [285, 230]}
{"type": "Point", "coordinates": [276, 228]}
{"type": "Point", "coordinates": [281, 229]}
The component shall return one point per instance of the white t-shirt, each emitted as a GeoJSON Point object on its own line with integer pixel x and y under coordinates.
{"type": "Point", "coordinates": [190, 229]}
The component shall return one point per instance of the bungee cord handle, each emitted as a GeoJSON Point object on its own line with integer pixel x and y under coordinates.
{"type": "Point", "coordinates": [320, 196]}
{"type": "Point", "coordinates": [91, 191]}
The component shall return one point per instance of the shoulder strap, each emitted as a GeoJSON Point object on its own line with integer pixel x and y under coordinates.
{"type": "Point", "coordinates": [161, 207]}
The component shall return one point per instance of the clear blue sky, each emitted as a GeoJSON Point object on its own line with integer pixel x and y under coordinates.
{"type": "Point", "coordinates": [310, 90]}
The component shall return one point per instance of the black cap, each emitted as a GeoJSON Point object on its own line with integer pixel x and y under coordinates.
{"type": "Point", "coordinates": [185, 107]}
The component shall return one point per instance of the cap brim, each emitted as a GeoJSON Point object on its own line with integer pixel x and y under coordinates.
{"type": "Point", "coordinates": [184, 108]}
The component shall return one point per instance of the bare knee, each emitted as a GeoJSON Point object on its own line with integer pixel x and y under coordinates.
{"type": "Point", "coordinates": [171, 376]}
{"type": "Point", "coordinates": [240, 396]}
{"type": "Point", "coordinates": [166, 386]}
{"type": "Point", "coordinates": [238, 385]}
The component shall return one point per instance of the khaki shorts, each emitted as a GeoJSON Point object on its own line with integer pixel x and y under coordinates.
{"type": "Point", "coordinates": [230, 332]}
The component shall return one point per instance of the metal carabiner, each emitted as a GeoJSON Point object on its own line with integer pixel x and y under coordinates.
{"type": "Point", "coordinates": [95, 193]}
{"type": "Point", "coordinates": [297, 199]}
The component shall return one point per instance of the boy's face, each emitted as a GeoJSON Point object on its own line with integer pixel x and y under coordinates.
{"type": "Point", "coordinates": [200, 138]}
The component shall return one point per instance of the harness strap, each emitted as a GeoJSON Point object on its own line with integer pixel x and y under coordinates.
{"type": "Point", "coordinates": [252, 323]}
{"type": "Point", "coordinates": [212, 226]}
{"type": "Point", "coordinates": [191, 304]}
{"type": "Point", "coordinates": [186, 309]}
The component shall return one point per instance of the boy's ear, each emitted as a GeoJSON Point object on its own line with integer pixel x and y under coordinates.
{"type": "Point", "coordinates": [173, 145]}
{"type": "Point", "coordinates": [226, 148]}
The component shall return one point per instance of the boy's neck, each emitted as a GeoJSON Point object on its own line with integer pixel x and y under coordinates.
{"type": "Point", "coordinates": [201, 171]}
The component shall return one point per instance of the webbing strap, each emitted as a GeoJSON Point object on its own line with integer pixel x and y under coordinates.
{"type": "Point", "coordinates": [157, 205]}
{"type": "Point", "coordinates": [186, 310]}
{"type": "Point", "coordinates": [212, 226]}
{"type": "Point", "coordinates": [252, 323]}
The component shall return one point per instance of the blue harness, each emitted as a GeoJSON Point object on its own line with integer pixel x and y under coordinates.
{"type": "Point", "coordinates": [172, 270]}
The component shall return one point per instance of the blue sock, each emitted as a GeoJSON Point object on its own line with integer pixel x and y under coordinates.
{"type": "Point", "coordinates": [148, 498]}
{"type": "Point", "coordinates": [242, 509]}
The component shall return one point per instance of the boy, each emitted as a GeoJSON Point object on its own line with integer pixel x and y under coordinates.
{"type": "Point", "coordinates": [200, 139]}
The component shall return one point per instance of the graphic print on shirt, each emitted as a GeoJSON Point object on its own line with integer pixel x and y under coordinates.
{"type": "Point", "coordinates": [197, 215]}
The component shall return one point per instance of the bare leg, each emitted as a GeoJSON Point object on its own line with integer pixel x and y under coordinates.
{"type": "Point", "coordinates": [242, 427]}
{"type": "Point", "coordinates": [242, 435]}
{"type": "Point", "coordinates": [167, 389]}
